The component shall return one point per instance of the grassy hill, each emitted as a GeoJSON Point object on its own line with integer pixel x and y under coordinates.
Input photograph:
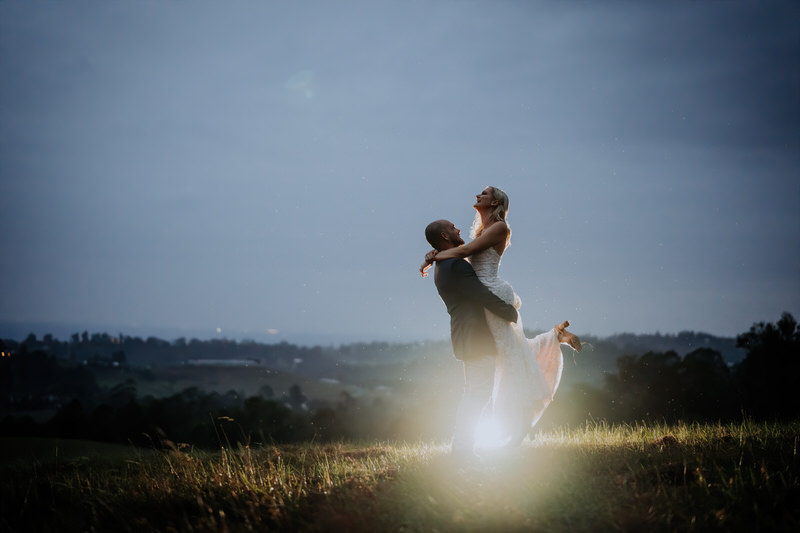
{"type": "Point", "coordinates": [741, 477]}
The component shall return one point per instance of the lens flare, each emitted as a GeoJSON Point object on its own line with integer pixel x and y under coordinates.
{"type": "Point", "coordinates": [489, 433]}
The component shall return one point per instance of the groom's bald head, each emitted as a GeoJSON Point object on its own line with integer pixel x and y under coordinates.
{"type": "Point", "coordinates": [433, 233]}
{"type": "Point", "coordinates": [443, 234]}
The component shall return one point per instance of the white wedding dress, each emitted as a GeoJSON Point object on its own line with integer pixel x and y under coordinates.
{"type": "Point", "coordinates": [528, 371]}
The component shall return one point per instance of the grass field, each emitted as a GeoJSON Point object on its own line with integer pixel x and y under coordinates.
{"type": "Point", "coordinates": [741, 477]}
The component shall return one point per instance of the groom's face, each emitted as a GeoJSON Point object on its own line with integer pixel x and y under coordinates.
{"type": "Point", "coordinates": [454, 234]}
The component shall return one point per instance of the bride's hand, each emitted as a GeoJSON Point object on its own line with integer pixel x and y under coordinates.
{"type": "Point", "coordinates": [424, 269]}
{"type": "Point", "coordinates": [429, 258]}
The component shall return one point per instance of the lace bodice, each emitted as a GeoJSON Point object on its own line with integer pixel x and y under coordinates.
{"type": "Point", "coordinates": [486, 264]}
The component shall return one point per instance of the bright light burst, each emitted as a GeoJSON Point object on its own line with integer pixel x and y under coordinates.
{"type": "Point", "coordinates": [489, 433]}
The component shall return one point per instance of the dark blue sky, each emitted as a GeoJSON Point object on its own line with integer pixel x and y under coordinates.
{"type": "Point", "coordinates": [266, 169]}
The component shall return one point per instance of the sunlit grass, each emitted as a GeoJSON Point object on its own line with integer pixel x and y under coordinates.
{"type": "Point", "coordinates": [251, 488]}
{"type": "Point", "coordinates": [629, 477]}
{"type": "Point", "coordinates": [595, 478]}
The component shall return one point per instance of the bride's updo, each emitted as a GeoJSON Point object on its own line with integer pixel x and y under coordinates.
{"type": "Point", "coordinates": [499, 214]}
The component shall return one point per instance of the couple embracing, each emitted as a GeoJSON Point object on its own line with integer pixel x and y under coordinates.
{"type": "Point", "coordinates": [519, 375]}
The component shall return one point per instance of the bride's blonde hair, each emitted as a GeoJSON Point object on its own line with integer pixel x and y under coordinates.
{"type": "Point", "coordinates": [499, 214]}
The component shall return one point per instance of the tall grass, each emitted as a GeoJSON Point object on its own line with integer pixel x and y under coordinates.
{"type": "Point", "coordinates": [694, 477]}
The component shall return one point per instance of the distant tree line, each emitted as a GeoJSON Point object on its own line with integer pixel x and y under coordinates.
{"type": "Point", "coordinates": [103, 350]}
{"type": "Point", "coordinates": [209, 419]}
{"type": "Point", "coordinates": [655, 386]}
{"type": "Point", "coordinates": [700, 386]}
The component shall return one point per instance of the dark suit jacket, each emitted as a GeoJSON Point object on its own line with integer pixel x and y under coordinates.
{"type": "Point", "coordinates": [466, 297]}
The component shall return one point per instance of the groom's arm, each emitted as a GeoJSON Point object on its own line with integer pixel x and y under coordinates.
{"type": "Point", "coordinates": [478, 292]}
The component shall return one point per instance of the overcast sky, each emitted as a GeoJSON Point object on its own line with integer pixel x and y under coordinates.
{"type": "Point", "coordinates": [266, 169]}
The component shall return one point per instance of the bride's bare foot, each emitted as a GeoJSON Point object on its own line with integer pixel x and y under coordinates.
{"type": "Point", "coordinates": [567, 337]}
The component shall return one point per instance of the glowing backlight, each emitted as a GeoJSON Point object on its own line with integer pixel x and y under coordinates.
{"type": "Point", "coordinates": [489, 433]}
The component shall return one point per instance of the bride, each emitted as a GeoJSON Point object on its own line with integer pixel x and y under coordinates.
{"type": "Point", "coordinates": [527, 371]}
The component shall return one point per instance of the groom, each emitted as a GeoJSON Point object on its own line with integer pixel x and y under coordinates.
{"type": "Point", "coordinates": [466, 297]}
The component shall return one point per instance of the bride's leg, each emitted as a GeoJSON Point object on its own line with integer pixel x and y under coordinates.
{"type": "Point", "coordinates": [566, 337]}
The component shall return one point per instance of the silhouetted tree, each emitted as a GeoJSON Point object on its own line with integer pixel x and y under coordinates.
{"type": "Point", "coordinates": [296, 399]}
{"type": "Point", "coordinates": [70, 422]}
{"type": "Point", "coordinates": [768, 374]}
{"type": "Point", "coordinates": [646, 387]}
{"type": "Point", "coordinates": [708, 389]}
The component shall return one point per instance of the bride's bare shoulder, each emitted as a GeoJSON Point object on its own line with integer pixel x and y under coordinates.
{"type": "Point", "coordinates": [499, 228]}
{"type": "Point", "coordinates": [500, 231]}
